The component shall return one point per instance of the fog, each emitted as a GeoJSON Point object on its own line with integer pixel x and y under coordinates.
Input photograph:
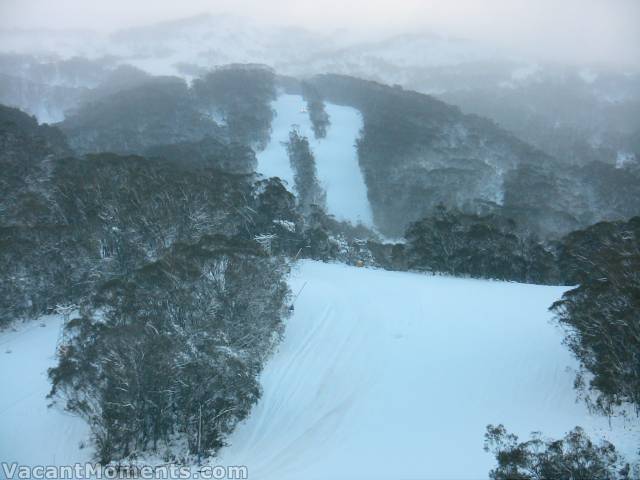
{"type": "Point", "coordinates": [571, 31]}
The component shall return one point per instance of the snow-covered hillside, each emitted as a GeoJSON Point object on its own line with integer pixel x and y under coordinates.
{"type": "Point", "coordinates": [30, 432]}
{"type": "Point", "coordinates": [381, 375]}
{"type": "Point", "coordinates": [396, 375]}
{"type": "Point", "coordinates": [336, 157]}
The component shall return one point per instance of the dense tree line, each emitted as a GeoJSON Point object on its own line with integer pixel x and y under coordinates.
{"type": "Point", "coordinates": [317, 113]}
{"type": "Point", "coordinates": [554, 200]}
{"type": "Point", "coordinates": [480, 246]}
{"type": "Point", "coordinates": [106, 215]}
{"type": "Point", "coordinates": [208, 152]}
{"type": "Point", "coordinates": [602, 312]}
{"type": "Point", "coordinates": [242, 95]}
{"type": "Point", "coordinates": [305, 175]}
{"type": "Point", "coordinates": [574, 457]}
{"type": "Point", "coordinates": [173, 349]}
{"type": "Point", "coordinates": [27, 154]}
{"type": "Point", "coordinates": [34, 237]}
{"type": "Point", "coordinates": [133, 113]}
{"type": "Point", "coordinates": [159, 111]}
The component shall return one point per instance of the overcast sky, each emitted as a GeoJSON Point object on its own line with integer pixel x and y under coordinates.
{"type": "Point", "coordinates": [568, 30]}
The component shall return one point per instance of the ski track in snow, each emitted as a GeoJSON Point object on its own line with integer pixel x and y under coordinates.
{"type": "Point", "coordinates": [336, 157]}
{"type": "Point", "coordinates": [31, 433]}
{"type": "Point", "coordinates": [381, 375]}
{"type": "Point", "coordinates": [388, 375]}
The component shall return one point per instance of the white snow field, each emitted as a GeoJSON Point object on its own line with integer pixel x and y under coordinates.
{"type": "Point", "coordinates": [336, 157]}
{"type": "Point", "coordinates": [30, 432]}
{"type": "Point", "coordinates": [381, 375]}
{"type": "Point", "coordinates": [389, 375]}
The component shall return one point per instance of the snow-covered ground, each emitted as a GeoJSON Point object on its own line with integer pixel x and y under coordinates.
{"type": "Point", "coordinates": [388, 375]}
{"type": "Point", "coordinates": [336, 157]}
{"type": "Point", "coordinates": [381, 375]}
{"type": "Point", "coordinates": [30, 432]}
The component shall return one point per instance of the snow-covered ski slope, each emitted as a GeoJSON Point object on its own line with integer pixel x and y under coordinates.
{"type": "Point", "coordinates": [30, 432]}
{"type": "Point", "coordinates": [336, 157]}
{"type": "Point", "coordinates": [388, 375]}
{"type": "Point", "coordinates": [381, 375]}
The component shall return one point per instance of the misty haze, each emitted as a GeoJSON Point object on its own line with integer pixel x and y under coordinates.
{"type": "Point", "coordinates": [320, 240]}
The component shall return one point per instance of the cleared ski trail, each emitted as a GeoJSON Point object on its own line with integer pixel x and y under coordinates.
{"type": "Point", "coordinates": [336, 157]}
{"type": "Point", "coordinates": [381, 376]}
{"type": "Point", "coordinates": [387, 375]}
